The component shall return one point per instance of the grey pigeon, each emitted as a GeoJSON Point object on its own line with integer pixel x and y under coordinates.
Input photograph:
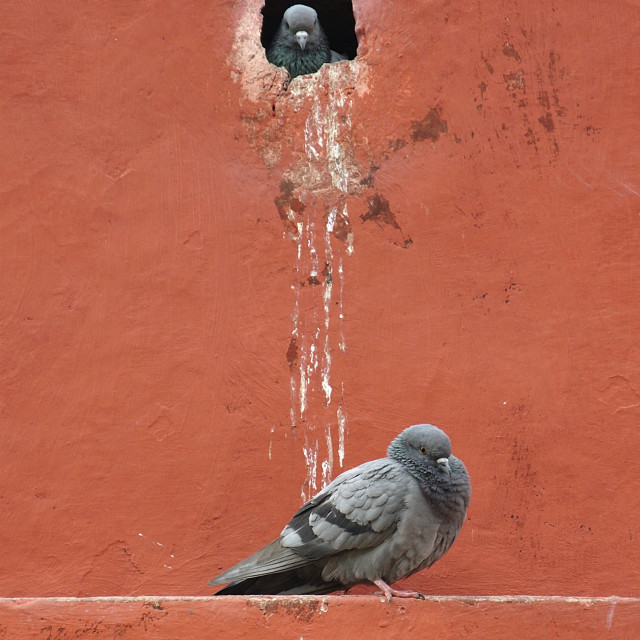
{"type": "Point", "coordinates": [300, 44]}
{"type": "Point", "coordinates": [377, 523]}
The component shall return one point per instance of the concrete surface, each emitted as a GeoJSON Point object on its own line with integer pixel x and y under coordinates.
{"type": "Point", "coordinates": [312, 617]}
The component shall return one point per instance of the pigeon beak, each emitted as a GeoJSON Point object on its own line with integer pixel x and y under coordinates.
{"type": "Point", "coordinates": [444, 463]}
{"type": "Point", "coordinates": [301, 37]}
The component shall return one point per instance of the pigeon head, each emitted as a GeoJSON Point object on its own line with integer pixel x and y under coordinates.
{"type": "Point", "coordinates": [423, 449]}
{"type": "Point", "coordinates": [300, 45]}
{"type": "Point", "coordinates": [301, 22]}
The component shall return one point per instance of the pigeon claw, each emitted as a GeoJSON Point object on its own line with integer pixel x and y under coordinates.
{"type": "Point", "coordinates": [390, 592]}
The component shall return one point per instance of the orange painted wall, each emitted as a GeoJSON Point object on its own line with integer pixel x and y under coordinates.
{"type": "Point", "coordinates": [444, 230]}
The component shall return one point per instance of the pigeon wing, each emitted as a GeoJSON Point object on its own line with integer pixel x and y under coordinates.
{"type": "Point", "coordinates": [359, 509]}
{"type": "Point", "coordinates": [273, 558]}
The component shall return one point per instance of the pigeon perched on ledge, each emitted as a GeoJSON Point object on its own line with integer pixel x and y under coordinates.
{"type": "Point", "coordinates": [300, 44]}
{"type": "Point", "coordinates": [377, 523]}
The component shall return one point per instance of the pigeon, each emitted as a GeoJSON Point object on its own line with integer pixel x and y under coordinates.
{"type": "Point", "coordinates": [376, 523]}
{"type": "Point", "coordinates": [300, 44]}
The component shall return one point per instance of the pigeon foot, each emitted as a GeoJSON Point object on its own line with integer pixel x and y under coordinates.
{"type": "Point", "coordinates": [389, 592]}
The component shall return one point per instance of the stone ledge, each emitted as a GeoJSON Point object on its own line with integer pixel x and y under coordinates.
{"type": "Point", "coordinates": [309, 617]}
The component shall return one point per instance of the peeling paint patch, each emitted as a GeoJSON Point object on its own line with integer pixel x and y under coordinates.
{"type": "Point", "coordinates": [509, 51]}
{"type": "Point", "coordinates": [547, 122]}
{"type": "Point", "coordinates": [289, 207]}
{"type": "Point", "coordinates": [429, 128]}
{"type": "Point", "coordinates": [342, 229]}
{"type": "Point", "coordinates": [292, 353]}
{"type": "Point", "coordinates": [380, 212]}
{"type": "Point", "coordinates": [515, 80]}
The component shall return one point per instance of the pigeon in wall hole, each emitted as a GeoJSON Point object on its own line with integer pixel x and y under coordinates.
{"type": "Point", "coordinates": [376, 523]}
{"type": "Point", "coordinates": [300, 44]}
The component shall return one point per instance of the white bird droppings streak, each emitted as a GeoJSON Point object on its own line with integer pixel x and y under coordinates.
{"type": "Point", "coordinates": [342, 344]}
{"type": "Point", "coordinates": [342, 424]}
{"type": "Point", "coordinates": [326, 157]}
{"type": "Point", "coordinates": [327, 465]}
{"type": "Point", "coordinates": [311, 458]}
{"type": "Point", "coordinates": [326, 299]}
{"type": "Point", "coordinates": [309, 147]}
{"type": "Point", "coordinates": [271, 441]}
{"type": "Point", "coordinates": [303, 388]}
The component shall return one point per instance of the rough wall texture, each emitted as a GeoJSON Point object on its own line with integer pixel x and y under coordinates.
{"type": "Point", "coordinates": [216, 294]}
{"type": "Point", "coordinates": [314, 618]}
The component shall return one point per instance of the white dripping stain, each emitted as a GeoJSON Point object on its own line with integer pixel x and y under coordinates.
{"type": "Point", "coordinates": [294, 341]}
{"type": "Point", "coordinates": [317, 329]}
{"type": "Point", "coordinates": [295, 334]}
{"type": "Point", "coordinates": [342, 343]}
{"type": "Point", "coordinates": [271, 441]}
{"type": "Point", "coordinates": [303, 383]}
{"type": "Point", "coordinates": [327, 465]}
{"type": "Point", "coordinates": [326, 300]}
{"type": "Point", "coordinates": [324, 172]}
{"type": "Point", "coordinates": [342, 426]}
{"type": "Point", "coordinates": [311, 459]}
{"type": "Point", "coordinates": [349, 239]}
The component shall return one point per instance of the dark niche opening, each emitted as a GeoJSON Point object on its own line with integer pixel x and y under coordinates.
{"type": "Point", "coordinates": [335, 16]}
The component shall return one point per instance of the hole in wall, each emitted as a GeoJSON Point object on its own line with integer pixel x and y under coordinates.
{"type": "Point", "coordinates": [335, 16]}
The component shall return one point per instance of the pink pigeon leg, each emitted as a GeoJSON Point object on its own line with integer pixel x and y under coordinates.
{"type": "Point", "coordinates": [389, 592]}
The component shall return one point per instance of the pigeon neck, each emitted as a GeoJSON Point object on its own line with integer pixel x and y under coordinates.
{"type": "Point", "coordinates": [446, 493]}
{"type": "Point", "coordinates": [442, 492]}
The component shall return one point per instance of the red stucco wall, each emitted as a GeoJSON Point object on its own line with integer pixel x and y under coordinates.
{"type": "Point", "coordinates": [444, 230]}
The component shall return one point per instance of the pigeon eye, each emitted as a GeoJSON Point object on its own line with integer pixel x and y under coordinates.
{"type": "Point", "coordinates": [423, 449]}
{"type": "Point", "coordinates": [286, 24]}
